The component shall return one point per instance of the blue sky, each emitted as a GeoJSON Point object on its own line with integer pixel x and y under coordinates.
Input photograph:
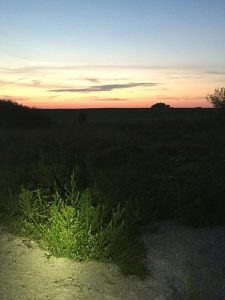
{"type": "Point", "coordinates": [183, 38]}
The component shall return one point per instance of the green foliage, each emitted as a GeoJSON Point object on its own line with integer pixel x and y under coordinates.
{"type": "Point", "coordinates": [171, 163]}
{"type": "Point", "coordinates": [68, 224]}
{"type": "Point", "coordinates": [33, 204]}
{"type": "Point", "coordinates": [217, 99]}
{"type": "Point", "coordinates": [191, 293]}
{"type": "Point", "coordinates": [10, 203]}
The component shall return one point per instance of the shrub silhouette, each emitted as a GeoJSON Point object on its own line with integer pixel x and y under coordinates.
{"type": "Point", "coordinates": [217, 99]}
{"type": "Point", "coordinates": [160, 105]}
{"type": "Point", "coordinates": [14, 115]}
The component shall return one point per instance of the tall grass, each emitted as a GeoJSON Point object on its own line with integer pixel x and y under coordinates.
{"type": "Point", "coordinates": [68, 224]}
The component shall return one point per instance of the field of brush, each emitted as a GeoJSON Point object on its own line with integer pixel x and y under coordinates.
{"type": "Point", "coordinates": [83, 182]}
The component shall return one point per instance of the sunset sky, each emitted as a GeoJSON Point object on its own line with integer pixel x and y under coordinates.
{"type": "Point", "coordinates": [111, 53]}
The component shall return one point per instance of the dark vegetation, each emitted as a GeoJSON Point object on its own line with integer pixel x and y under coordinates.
{"type": "Point", "coordinates": [160, 105]}
{"type": "Point", "coordinates": [14, 115]}
{"type": "Point", "coordinates": [217, 99]}
{"type": "Point", "coordinates": [100, 175]}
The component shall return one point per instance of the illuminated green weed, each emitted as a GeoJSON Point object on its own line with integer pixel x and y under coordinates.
{"type": "Point", "coordinates": [68, 224]}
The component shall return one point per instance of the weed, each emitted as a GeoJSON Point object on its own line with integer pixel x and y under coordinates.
{"type": "Point", "coordinates": [68, 224]}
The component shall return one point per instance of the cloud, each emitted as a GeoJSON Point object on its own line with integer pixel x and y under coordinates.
{"type": "Point", "coordinates": [100, 79]}
{"type": "Point", "coordinates": [186, 98]}
{"type": "Point", "coordinates": [36, 82]}
{"type": "Point", "coordinates": [104, 88]}
{"type": "Point", "coordinates": [14, 98]}
{"type": "Point", "coordinates": [110, 99]}
{"type": "Point", "coordinates": [3, 82]}
{"type": "Point", "coordinates": [26, 82]}
{"type": "Point", "coordinates": [215, 72]}
{"type": "Point", "coordinates": [172, 72]}
{"type": "Point", "coordinates": [94, 80]}
{"type": "Point", "coordinates": [193, 76]}
{"type": "Point", "coordinates": [55, 67]}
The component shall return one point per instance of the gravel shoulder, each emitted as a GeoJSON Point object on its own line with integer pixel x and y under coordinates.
{"type": "Point", "coordinates": [181, 259]}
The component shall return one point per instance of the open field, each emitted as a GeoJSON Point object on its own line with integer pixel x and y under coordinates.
{"type": "Point", "coordinates": [112, 150]}
{"type": "Point", "coordinates": [171, 163]}
{"type": "Point", "coordinates": [132, 168]}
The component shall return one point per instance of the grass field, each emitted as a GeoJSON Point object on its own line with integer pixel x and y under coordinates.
{"type": "Point", "coordinates": [129, 167]}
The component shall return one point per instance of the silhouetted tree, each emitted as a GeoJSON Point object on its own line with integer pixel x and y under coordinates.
{"type": "Point", "coordinates": [217, 99]}
{"type": "Point", "coordinates": [160, 105]}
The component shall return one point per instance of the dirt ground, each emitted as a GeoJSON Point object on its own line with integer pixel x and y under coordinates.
{"type": "Point", "coordinates": [184, 262]}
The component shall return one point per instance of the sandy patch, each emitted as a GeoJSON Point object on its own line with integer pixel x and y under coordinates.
{"type": "Point", "coordinates": [175, 253]}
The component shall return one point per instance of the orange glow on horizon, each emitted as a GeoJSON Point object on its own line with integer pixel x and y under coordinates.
{"type": "Point", "coordinates": [119, 104]}
{"type": "Point", "coordinates": [105, 88]}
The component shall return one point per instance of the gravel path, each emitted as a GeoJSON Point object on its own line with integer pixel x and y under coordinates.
{"type": "Point", "coordinates": [183, 261]}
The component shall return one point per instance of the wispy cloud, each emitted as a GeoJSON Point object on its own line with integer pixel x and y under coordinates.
{"type": "Point", "coordinates": [186, 98]}
{"type": "Point", "coordinates": [191, 71]}
{"type": "Point", "coordinates": [26, 82]}
{"type": "Point", "coordinates": [94, 80]}
{"type": "Point", "coordinates": [54, 67]}
{"type": "Point", "coordinates": [3, 82]}
{"type": "Point", "coordinates": [36, 82]}
{"type": "Point", "coordinates": [110, 99]}
{"type": "Point", "coordinates": [104, 88]}
{"type": "Point", "coordinates": [14, 98]}
{"type": "Point", "coordinates": [215, 72]}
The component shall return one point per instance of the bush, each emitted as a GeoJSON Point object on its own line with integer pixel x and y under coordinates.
{"type": "Point", "coordinates": [217, 99]}
{"type": "Point", "coordinates": [69, 225]}
{"type": "Point", "coordinates": [160, 106]}
{"type": "Point", "coordinates": [14, 115]}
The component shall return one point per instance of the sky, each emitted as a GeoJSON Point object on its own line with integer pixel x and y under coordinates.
{"type": "Point", "coordinates": [111, 53]}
